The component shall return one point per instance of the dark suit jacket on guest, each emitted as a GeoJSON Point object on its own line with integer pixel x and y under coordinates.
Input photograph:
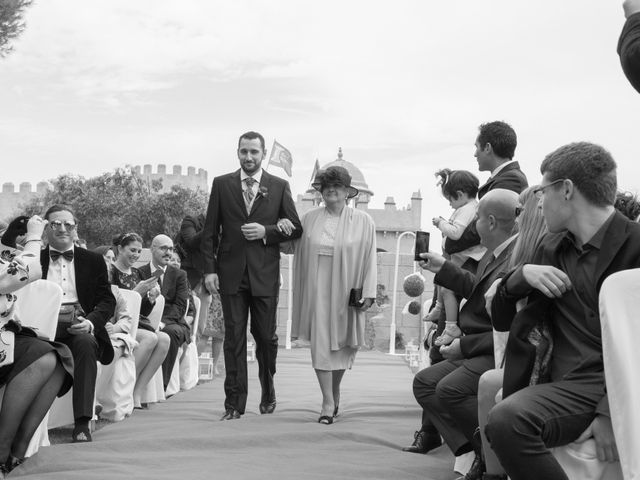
{"type": "Point", "coordinates": [224, 248]}
{"type": "Point", "coordinates": [175, 290]}
{"type": "Point", "coordinates": [94, 294]}
{"type": "Point", "coordinates": [509, 178]}
{"type": "Point", "coordinates": [190, 236]}
{"type": "Point", "coordinates": [473, 318]}
{"type": "Point", "coordinates": [620, 251]}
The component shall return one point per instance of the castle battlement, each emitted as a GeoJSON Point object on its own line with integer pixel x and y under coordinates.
{"type": "Point", "coordinates": [191, 179]}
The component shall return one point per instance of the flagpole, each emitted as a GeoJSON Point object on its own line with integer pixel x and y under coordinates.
{"type": "Point", "coordinates": [270, 154]}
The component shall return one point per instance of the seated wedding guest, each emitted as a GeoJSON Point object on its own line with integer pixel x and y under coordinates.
{"type": "Point", "coordinates": [88, 304]}
{"type": "Point", "coordinates": [152, 346]}
{"type": "Point", "coordinates": [175, 290]}
{"type": "Point", "coordinates": [32, 371]}
{"type": "Point", "coordinates": [628, 204]}
{"type": "Point", "coordinates": [191, 308]}
{"type": "Point", "coordinates": [335, 269]}
{"type": "Point", "coordinates": [447, 391]}
{"type": "Point", "coordinates": [214, 329]}
{"type": "Point", "coordinates": [629, 43]}
{"type": "Point", "coordinates": [568, 398]}
{"type": "Point", "coordinates": [531, 228]}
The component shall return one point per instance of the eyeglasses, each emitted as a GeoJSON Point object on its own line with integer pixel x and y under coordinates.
{"type": "Point", "coordinates": [57, 225]}
{"type": "Point", "coordinates": [166, 249]}
{"type": "Point", "coordinates": [540, 191]}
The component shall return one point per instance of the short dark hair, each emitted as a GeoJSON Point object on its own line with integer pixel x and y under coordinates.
{"type": "Point", "coordinates": [454, 180]}
{"type": "Point", "coordinates": [627, 204]}
{"type": "Point", "coordinates": [252, 136]}
{"type": "Point", "coordinates": [501, 136]}
{"type": "Point", "coordinates": [125, 239]}
{"type": "Point", "coordinates": [59, 208]}
{"type": "Point", "coordinates": [590, 167]}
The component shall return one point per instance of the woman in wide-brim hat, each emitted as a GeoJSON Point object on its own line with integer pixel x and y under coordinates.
{"type": "Point", "coordinates": [336, 253]}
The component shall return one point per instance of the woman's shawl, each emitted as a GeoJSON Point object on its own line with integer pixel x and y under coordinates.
{"type": "Point", "coordinates": [354, 266]}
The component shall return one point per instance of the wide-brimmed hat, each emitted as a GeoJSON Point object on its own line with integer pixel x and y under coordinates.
{"type": "Point", "coordinates": [335, 175]}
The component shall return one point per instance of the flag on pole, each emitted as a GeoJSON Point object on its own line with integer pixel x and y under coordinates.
{"type": "Point", "coordinates": [281, 157]}
{"type": "Point", "coordinates": [316, 169]}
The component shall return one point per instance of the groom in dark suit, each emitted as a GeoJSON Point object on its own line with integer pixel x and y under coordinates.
{"type": "Point", "coordinates": [240, 246]}
{"type": "Point", "coordinates": [83, 278]}
{"type": "Point", "coordinates": [174, 287]}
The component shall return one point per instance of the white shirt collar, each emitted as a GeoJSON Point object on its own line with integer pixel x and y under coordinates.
{"type": "Point", "coordinates": [153, 267]}
{"type": "Point", "coordinates": [501, 167]}
{"type": "Point", "coordinates": [256, 176]}
{"type": "Point", "coordinates": [500, 248]}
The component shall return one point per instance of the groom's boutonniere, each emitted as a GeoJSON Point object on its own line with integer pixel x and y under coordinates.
{"type": "Point", "coordinates": [263, 192]}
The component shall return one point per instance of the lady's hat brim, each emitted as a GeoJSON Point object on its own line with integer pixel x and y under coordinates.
{"type": "Point", "coordinates": [351, 191]}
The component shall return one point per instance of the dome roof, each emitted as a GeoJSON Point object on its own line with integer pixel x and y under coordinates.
{"type": "Point", "coordinates": [357, 178]}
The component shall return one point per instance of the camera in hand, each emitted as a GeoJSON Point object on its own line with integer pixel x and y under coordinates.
{"type": "Point", "coordinates": [422, 244]}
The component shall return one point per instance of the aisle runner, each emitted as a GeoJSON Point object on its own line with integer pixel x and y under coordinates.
{"type": "Point", "coordinates": [183, 439]}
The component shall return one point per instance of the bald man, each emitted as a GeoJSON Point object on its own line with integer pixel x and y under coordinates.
{"type": "Point", "coordinates": [448, 390]}
{"type": "Point", "coordinates": [175, 290]}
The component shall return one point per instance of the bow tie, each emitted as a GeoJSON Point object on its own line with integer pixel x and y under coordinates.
{"type": "Point", "coordinates": [68, 255]}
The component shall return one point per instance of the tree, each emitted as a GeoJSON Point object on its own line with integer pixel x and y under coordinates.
{"type": "Point", "coordinates": [11, 22]}
{"type": "Point", "coordinates": [120, 202]}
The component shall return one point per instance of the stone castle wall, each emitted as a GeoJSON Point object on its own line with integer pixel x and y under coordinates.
{"type": "Point", "coordinates": [11, 199]}
{"type": "Point", "coordinates": [192, 179]}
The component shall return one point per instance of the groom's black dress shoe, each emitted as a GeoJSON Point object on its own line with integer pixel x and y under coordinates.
{"type": "Point", "coordinates": [267, 407]}
{"type": "Point", "coordinates": [231, 414]}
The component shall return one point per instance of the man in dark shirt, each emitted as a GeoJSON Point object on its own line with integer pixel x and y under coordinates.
{"type": "Point", "coordinates": [577, 193]}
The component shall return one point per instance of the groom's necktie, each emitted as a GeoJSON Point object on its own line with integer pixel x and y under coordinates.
{"type": "Point", "coordinates": [248, 192]}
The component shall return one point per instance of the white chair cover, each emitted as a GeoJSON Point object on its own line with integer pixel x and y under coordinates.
{"type": "Point", "coordinates": [154, 392]}
{"type": "Point", "coordinates": [37, 306]}
{"type": "Point", "coordinates": [189, 363]}
{"type": "Point", "coordinates": [619, 299]}
{"type": "Point", "coordinates": [116, 381]}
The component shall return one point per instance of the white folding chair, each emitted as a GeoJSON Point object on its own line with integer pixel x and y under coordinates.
{"type": "Point", "coordinates": [189, 362]}
{"type": "Point", "coordinates": [37, 307]}
{"type": "Point", "coordinates": [154, 391]}
{"type": "Point", "coordinates": [116, 381]}
{"type": "Point", "coordinates": [619, 299]}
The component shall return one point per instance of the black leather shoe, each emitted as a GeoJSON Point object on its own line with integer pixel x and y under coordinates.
{"type": "Point", "coordinates": [423, 442]}
{"type": "Point", "coordinates": [267, 407]}
{"type": "Point", "coordinates": [476, 472]}
{"type": "Point", "coordinates": [230, 414]}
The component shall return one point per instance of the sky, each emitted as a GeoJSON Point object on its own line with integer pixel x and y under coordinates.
{"type": "Point", "coordinates": [401, 86]}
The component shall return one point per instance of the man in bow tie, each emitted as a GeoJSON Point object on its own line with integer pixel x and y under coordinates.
{"type": "Point", "coordinates": [82, 275]}
{"type": "Point", "coordinates": [240, 246]}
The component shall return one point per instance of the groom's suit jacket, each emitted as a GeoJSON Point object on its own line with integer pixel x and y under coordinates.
{"type": "Point", "coordinates": [224, 248]}
{"type": "Point", "coordinates": [94, 294]}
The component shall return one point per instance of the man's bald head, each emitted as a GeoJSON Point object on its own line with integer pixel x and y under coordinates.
{"type": "Point", "coordinates": [161, 250]}
{"type": "Point", "coordinates": [496, 216]}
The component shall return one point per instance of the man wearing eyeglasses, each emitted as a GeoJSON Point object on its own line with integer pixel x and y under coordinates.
{"type": "Point", "coordinates": [174, 287]}
{"type": "Point", "coordinates": [588, 241]}
{"type": "Point", "coordinates": [88, 304]}
{"type": "Point", "coordinates": [240, 246]}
